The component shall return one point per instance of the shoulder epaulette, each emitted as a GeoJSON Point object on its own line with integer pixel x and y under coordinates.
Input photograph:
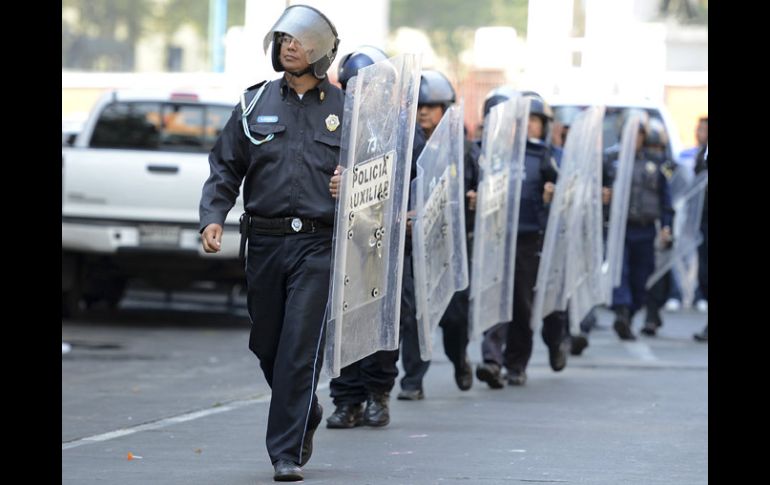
{"type": "Point", "coordinates": [256, 86]}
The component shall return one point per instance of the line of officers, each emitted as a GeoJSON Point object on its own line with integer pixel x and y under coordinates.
{"type": "Point", "coordinates": [362, 392]}
{"type": "Point", "coordinates": [282, 142]}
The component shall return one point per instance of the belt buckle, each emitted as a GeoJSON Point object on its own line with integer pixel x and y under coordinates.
{"type": "Point", "coordinates": [296, 224]}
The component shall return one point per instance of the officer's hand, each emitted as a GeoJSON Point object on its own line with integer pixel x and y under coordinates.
{"type": "Point", "coordinates": [471, 195]}
{"type": "Point", "coordinates": [334, 182]}
{"type": "Point", "coordinates": [212, 238]}
{"type": "Point", "coordinates": [409, 218]}
{"type": "Point", "coordinates": [606, 195]}
{"type": "Point", "coordinates": [666, 239]}
{"type": "Point", "coordinates": [548, 189]}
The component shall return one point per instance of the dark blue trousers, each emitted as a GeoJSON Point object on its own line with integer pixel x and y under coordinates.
{"type": "Point", "coordinates": [638, 265]}
{"type": "Point", "coordinates": [288, 285]}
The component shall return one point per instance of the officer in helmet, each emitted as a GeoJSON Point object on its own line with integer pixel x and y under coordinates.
{"type": "Point", "coordinates": [350, 63]}
{"type": "Point", "coordinates": [283, 142]}
{"type": "Point", "coordinates": [657, 147]}
{"type": "Point", "coordinates": [561, 125]}
{"type": "Point", "coordinates": [435, 97]}
{"type": "Point", "coordinates": [509, 344]}
{"type": "Point", "coordinates": [649, 204]}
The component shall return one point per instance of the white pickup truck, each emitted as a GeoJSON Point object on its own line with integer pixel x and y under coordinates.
{"type": "Point", "coordinates": [131, 185]}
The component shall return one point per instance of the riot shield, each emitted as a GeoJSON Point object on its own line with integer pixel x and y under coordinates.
{"type": "Point", "coordinates": [688, 210]}
{"type": "Point", "coordinates": [680, 182]}
{"type": "Point", "coordinates": [685, 269]}
{"type": "Point", "coordinates": [584, 222]}
{"type": "Point", "coordinates": [573, 231]}
{"type": "Point", "coordinates": [550, 288]}
{"type": "Point", "coordinates": [439, 253]}
{"type": "Point", "coordinates": [501, 168]}
{"type": "Point", "coordinates": [367, 261]}
{"type": "Point", "coordinates": [612, 267]}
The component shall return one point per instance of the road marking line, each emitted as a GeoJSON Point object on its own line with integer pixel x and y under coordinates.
{"type": "Point", "coordinates": [641, 350]}
{"type": "Point", "coordinates": [163, 423]}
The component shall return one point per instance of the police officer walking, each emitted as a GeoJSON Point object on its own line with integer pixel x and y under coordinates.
{"type": "Point", "coordinates": [454, 322]}
{"type": "Point", "coordinates": [656, 147]}
{"type": "Point", "coordinates": [649, 201]}
{"type": "Point", "coordinates": [371, 379]}
{"type": "Point", "coordinates": [436, 96]}
{"type": "Point", "coordinates": [282, 141]}
{"type": "Point", "coordinates": [509, 344]}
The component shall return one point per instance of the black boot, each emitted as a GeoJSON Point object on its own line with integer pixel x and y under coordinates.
{"type": "Point", "coordinates": [516, 377]}
{"type": "Point", "coordinates": [578, 344]}
{"type": "Point", "coordinates": [346, 416]}
{"type": "Point", "coordinates": [652, 322]}
{"type": "Point", "coordinates": [464, 375]}
{"type": "Point", "coordinates": [702, 336]}
{"type": "Point", "coordinates": [287, 471]}
{"type": "Point", "coordinates": [622, 323]}
{"type": "Point", "coordinates": [489, 372]}
{"type": "Point", "coordinates": [557, 355]}
{"type": "Point", "coordinates": [377, 413]}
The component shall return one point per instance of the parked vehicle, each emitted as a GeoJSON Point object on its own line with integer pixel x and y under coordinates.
{"type": "Point", "coordinates": [131, 184]}
{"type": "Point", "coordinates": [616, 108]}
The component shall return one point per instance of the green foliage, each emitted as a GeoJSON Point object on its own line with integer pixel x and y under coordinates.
{"type": "Point", "coordinates": [450, 24]}
{"type": "Point", "coordinates": [105, 34]}
{"type": "Point", "coordinates": [447, 15]}
{"type": "Point", "coordinates": [177, 13]}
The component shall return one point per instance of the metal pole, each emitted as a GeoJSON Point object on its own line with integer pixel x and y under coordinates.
{"type": "Point", "coordinates": [217, 27]}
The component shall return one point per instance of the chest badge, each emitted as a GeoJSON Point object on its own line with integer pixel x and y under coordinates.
{"type": "Point", "coordinates": [332, 122]}
{"type": "Point", "coordinates": [650, 167]}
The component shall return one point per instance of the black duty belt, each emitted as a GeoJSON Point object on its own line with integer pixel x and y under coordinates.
{"type": "Point", "coordinates": [278, 226]}
{"type": "Point", "coordinates": [640, 222]}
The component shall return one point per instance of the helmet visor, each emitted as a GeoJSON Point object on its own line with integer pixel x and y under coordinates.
{"type": "Point", "coordinates": [307, 25]}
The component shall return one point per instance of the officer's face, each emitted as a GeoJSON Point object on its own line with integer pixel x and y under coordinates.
{"type": "Point", "coordinates": [535, 127]}
{"type": "Point", "coordinates": [428, 115]}
{"type": "Point", "coordinates": [293, 55]}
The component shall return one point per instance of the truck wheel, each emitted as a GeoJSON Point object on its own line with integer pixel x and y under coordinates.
{"type": "Point", "coordinates": [72, 303]}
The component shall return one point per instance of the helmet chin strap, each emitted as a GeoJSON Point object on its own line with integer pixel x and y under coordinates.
{"type": "Point", "coordinates": [301, 73]}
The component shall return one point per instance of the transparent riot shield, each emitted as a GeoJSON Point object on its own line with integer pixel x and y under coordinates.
{"type": "Point", "coordinates": [680, 182]}
{"type": "Point", "coordinates": [584, 220]}
{"type": "Point", "coordinates": [612, 267]}
{"type": "Point", "coordinates": [564, 222]}
{"type": "Point", "coordinates": [439, 253]}
{"type": "Point", "coordinates": [367, 262]}
{"type": "Point", "coordinates": [685, 269]}
{"type": "Point", "coordinates": [550, 287]}
{"type": "Point", "coordinates": [688, 210]}
{"type": "Point", "coordinates": [497, 214]}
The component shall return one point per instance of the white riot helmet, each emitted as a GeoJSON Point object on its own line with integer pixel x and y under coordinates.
{"type": "Point", "coordinates": [313, 30]}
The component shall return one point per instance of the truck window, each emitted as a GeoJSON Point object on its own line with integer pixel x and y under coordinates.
{"type": "Point", "coordinates": [160, 126]}
{"type": "Point", "coordinates": [128, 125]}
{"type": "Point", "coordinates": [182, 127]}
{"type": "Point", "coordinates": [216, 118]}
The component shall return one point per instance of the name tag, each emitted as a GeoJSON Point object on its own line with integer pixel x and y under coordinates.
{"type": "Point", "coordinates": [267, 119]}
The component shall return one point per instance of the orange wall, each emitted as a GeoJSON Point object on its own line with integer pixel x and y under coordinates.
{"type": "Point", "coordinates": [686, 104]}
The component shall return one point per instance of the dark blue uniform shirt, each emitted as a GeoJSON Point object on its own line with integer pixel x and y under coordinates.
{"type": "Point", "coordinates": [287, 176]}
